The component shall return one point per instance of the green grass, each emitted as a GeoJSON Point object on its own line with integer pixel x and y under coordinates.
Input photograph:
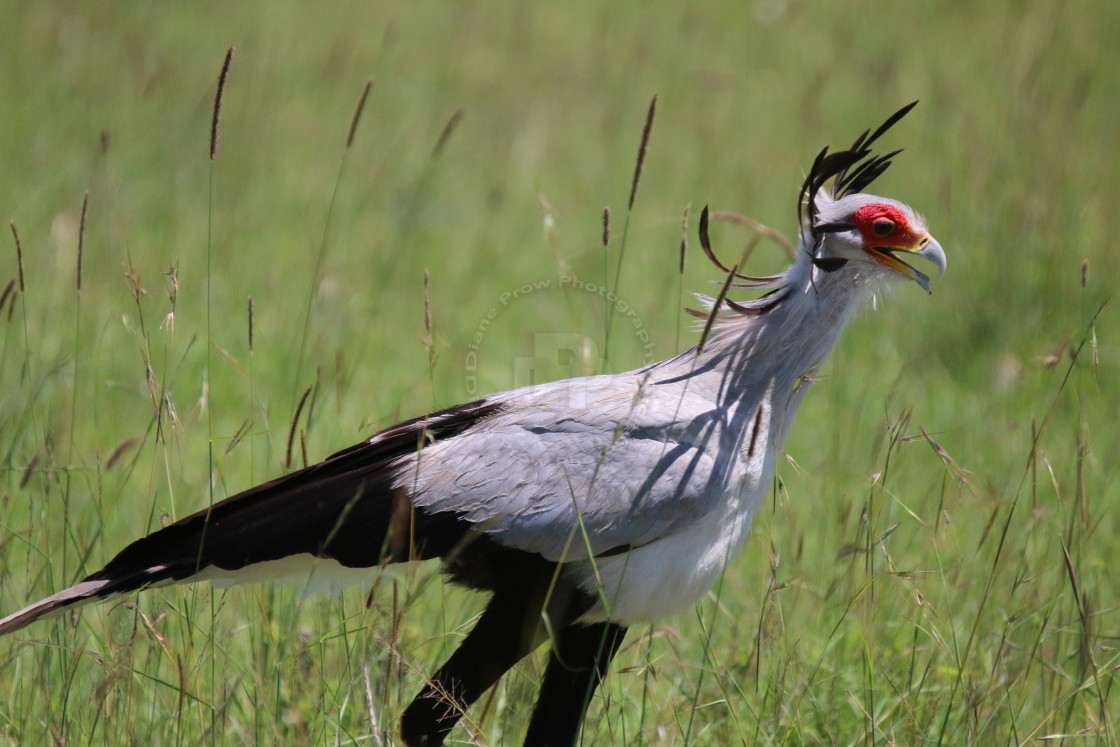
{"type": "Point", "coordinates": [900, 588]}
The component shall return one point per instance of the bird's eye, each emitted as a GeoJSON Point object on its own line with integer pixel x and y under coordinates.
{"type": "Point", "coordinates": [883, 227]}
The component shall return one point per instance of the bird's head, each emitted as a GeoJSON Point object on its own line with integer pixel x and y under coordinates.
{"type": "Point", "coordinates": [876, 234]}
{"type": "Point", "coordinates": [842, 229]}
{"type": "Point", "coordinates": [841, 225]}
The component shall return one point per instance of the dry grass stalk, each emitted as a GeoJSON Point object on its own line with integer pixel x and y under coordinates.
{"type": "Point", "coordinates": [761, 228]}
{"type": "Point", "coordinates": [82, 237]}
{"type": "Point", "coordinates": [684, 238]}
{"type": "Point", "coordinates": [646, 130]}
{"type": "Point", "coordinates": [448, 128]}
{"type": "Point", "coordinates": [19, 255]}
{"type": "Point", "coordinates": [217, 113]}
{"type": "Point", "coordinates": [292, 429]}
{"type": "Point", "coordinates": [358, 114]}
{"type": "Point", "coordinates": [6, 293]}
{"type": "Point", "coordinates": [250, 305]}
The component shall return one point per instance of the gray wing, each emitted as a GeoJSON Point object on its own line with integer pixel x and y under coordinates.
{"type": "Point", "coordinates": [609, 457]}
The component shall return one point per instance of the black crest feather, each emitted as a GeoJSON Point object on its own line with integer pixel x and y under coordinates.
{"type": "Point", "coordinates": [850, 170]}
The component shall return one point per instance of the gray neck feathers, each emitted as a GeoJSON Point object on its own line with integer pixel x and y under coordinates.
{"type": "Point", "coordinates": [773, 350]}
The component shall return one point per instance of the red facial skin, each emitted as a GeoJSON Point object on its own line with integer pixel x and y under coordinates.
{"type": "Point", "coordinates": [871, 220]}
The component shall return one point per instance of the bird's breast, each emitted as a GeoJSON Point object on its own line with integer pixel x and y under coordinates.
{"type": "Point", "coordinates": [667, 576]}
{"type": "Point", "coordinates": [673, 573]}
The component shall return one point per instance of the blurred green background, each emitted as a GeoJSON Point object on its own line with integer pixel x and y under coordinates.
{"type": "Point", "coordinates": [890, 593]}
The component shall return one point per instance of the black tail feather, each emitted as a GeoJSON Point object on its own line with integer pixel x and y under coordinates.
{"type": "Point", "coordinates": [348, 508]}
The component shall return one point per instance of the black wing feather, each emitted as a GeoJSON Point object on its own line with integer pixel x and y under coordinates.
{"type": "Point", "coordinates": [345, 508]}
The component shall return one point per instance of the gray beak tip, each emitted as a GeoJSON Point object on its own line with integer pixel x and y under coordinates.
{"type": "Point", "coordinates": [933, 252]}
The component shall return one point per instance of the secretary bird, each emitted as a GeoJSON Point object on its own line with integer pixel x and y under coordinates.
{"type": "Point", "coordinates": [585, 506]}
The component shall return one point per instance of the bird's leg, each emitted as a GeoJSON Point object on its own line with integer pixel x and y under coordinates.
{"type": "Point", "coordinates": [577, 664]}
{"type": "Point", "coordinates": [508, 629]}
{"type": "Point", "coordinates": [495, 644]}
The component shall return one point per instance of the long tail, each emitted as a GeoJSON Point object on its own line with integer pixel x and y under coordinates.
{"type": "Point", "coordinates": [52, 605]}
{"type": "Point", "coordinates": [344, 514]}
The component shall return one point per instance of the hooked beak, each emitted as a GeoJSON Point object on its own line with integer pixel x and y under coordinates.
{"type": "Point", "coordinates": [925, 247]}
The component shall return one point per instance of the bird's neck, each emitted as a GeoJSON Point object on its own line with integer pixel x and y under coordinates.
{"type": "Point", "coordinates": [778, 349]}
